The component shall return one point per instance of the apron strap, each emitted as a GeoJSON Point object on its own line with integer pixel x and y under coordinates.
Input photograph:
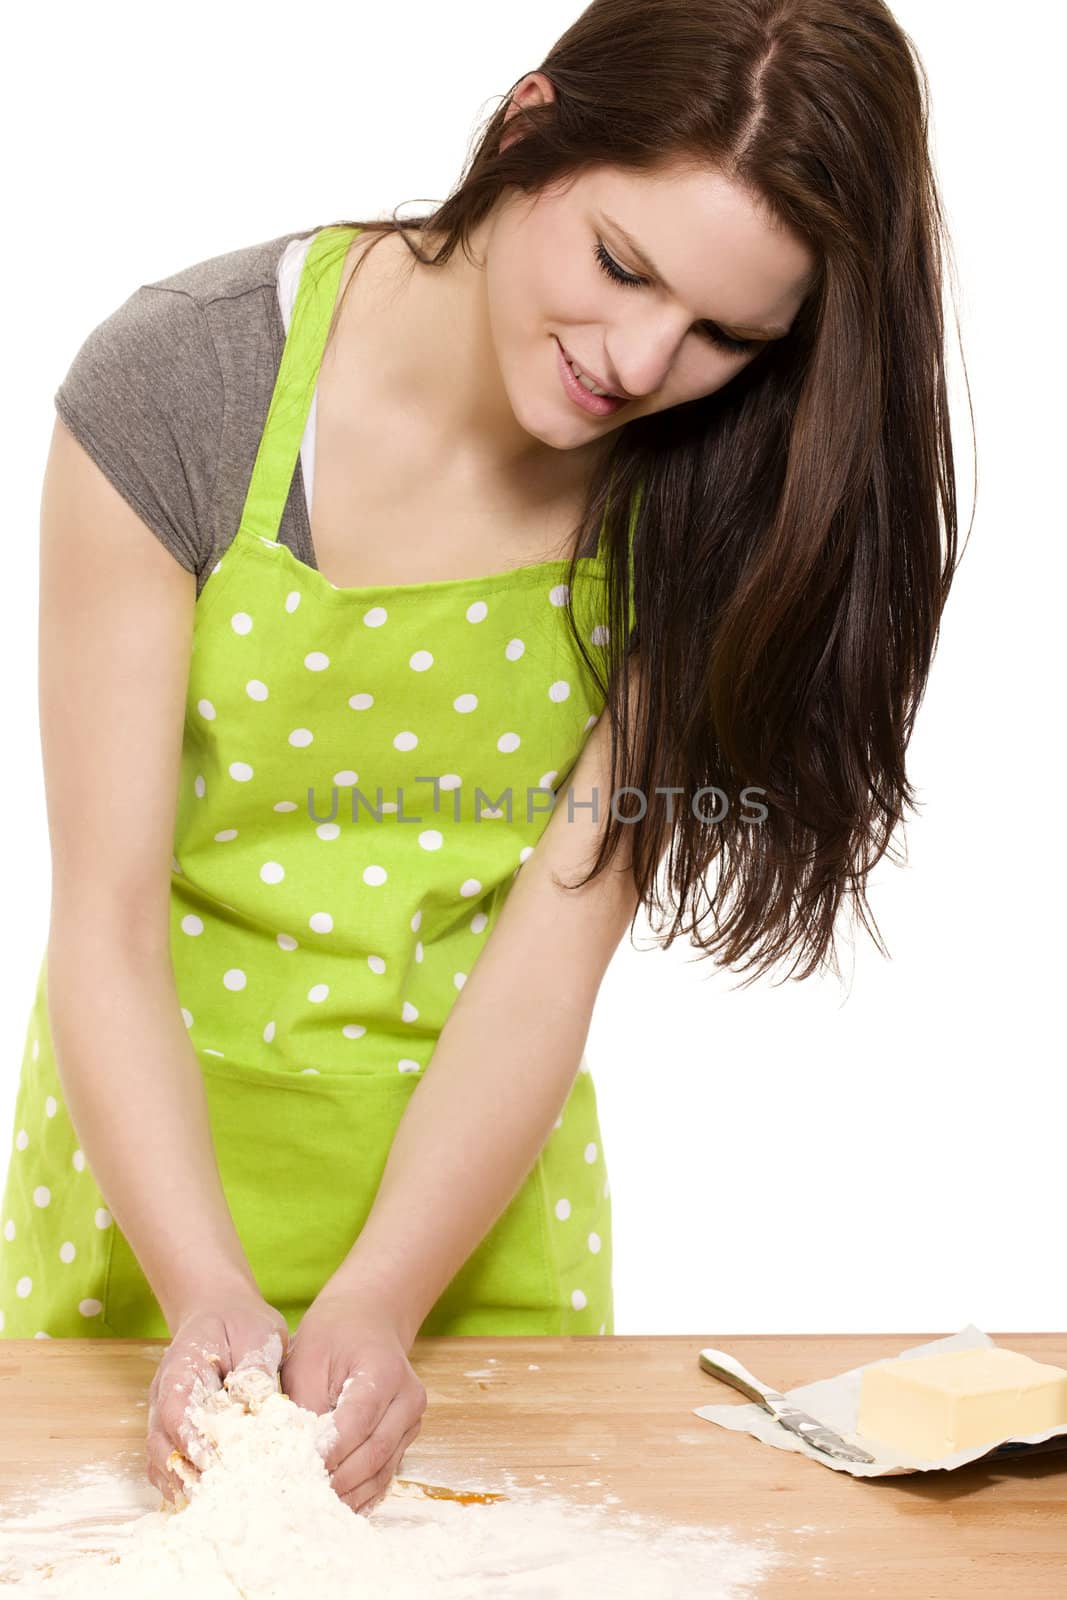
{"type": "Point", "coordinates": [294, 386]}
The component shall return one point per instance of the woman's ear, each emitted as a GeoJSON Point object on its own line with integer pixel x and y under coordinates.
{"type": "Point", "coordinates": [533, 90]}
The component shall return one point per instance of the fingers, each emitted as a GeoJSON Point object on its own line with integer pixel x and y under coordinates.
{"type": "Point", "coordinates": [365, 1474]}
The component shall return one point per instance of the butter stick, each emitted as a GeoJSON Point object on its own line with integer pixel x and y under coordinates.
{"type": "Point", "coordinates": [933, 1406]}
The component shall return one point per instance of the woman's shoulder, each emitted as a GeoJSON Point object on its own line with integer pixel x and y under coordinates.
{"type": "Point", "coordinates": [167, 394]}
{"type": "Point", "coordinates": [230, 275]}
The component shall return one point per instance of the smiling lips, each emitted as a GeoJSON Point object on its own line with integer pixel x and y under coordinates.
{"type": "Point", "coordinates": [601, 405]}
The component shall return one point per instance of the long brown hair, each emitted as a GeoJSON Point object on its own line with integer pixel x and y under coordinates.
{"type": "Point", "coordinates": [788, 569]}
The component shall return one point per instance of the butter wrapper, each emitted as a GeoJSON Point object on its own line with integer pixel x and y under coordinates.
{"type": "Point", "coordinates": [835, 1401]}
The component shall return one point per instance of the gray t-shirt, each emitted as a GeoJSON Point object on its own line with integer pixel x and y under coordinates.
{"type": "Point", "coordinates": [169, 395]}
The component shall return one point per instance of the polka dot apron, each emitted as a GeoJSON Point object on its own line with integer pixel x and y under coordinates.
{"type": "Point", "coordinates": [331, 888]}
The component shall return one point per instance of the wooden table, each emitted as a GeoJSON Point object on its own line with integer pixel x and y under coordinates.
{"type": "Point", "coordinates": [588, 1417]}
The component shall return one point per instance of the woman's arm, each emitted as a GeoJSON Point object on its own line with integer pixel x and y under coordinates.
{"type": "Point", "coordinates": [116, 614]}
{"type": "Point", "coordinates": [504, 1063]}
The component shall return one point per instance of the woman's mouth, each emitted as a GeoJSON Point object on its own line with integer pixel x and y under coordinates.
{"type": "Point", "coordinates": [600, 405]}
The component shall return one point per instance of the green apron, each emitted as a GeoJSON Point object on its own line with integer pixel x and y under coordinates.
{"type": "Point", "coordinates": [322, 924]}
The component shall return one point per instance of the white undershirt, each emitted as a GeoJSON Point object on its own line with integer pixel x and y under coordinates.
{"type": "Point", "coordinates": [289, 265]}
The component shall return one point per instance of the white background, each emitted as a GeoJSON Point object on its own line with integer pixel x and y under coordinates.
{"type": "Point", "coordinates": [882, 1154]}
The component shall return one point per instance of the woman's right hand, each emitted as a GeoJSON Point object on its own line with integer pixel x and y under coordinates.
{"type": "Point", "coordinates": [209, 1342]}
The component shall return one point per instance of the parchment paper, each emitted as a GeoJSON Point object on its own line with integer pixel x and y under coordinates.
{"type": "Point", "coordinates": [835, 1401]}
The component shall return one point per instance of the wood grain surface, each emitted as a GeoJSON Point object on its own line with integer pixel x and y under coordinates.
{"type": "Point", "coordinates": [591, 1417]}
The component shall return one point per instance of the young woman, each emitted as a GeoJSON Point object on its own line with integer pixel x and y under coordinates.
{"type": "Point", "coordinates": [621, 477]}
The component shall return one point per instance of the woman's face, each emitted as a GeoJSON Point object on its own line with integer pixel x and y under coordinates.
{"type": "Point", "coordinates": [565, 277]}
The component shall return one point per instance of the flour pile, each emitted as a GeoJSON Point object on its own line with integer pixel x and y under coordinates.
{"type": "Point", "coordinates": [263, 1523]}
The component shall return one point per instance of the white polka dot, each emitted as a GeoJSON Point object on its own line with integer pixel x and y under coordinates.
{"type": "Point", "coordinates": [35, 1049]}
{"type": "Point", "coordinates": [607, 1187]}
{"type": "Point", "coordinates": [600, 635]}
{"type": "Point", "coordinates": [292, 600]}
{"type": "Point", "coordinates": [416, 921]}
{"type": "Point", "coordinates": [559, 594]}
{"type": "Point", "coordinates": [256, 690]}
{"type": "Point", "coordinates": [316, 661]}
{"type": "Point", "coordinates": [590, 1152]}
{"type": "Point", "coordinates": [479, 922]}
{"type": "Point", "coordinates": [206, 709]}
{"type": "Point", "coordinates": [192, 926]}
{"type": "Point", "coordinates": [301, 738]}
{"type": "Point", "coordinates": [405, 1065]}
{"type": "Point", "coordinates": [50, 1106]}
{"type": "Point", "coordinates": [353, 1030]}
{"type": "Point", "coordinates": [318, 992]}
{"type": "Point", "coordinates": [563, 1209]}
{"type": "Point", "coordinates": [40, 1334]}
{"type": "Point", "coordinates": [560, 690]}
{"type": "Point", "coordinates": [465, 702]}
{"type": "Point", "coordinates": [406, 740]}
{"type": "Point", "coordinates": [449, 780]}
{"type": "Point", "coordinates": [409, 1012]}
{"type": "Point", "coordinates": [508, 742]}
{"type": "Point", "coordinates": [268, 1032]}
{"type": "Point", "coordinates": [578, 1300]}
{"type": "Point", "coordinates": [328, 830]}
{"type": "Point", "coordinates": [102, 1217]}
{"type": "Point", "coordinates": [470, 887]}
{"type": "Point", "coordinates": [459, 979]}
{"type": "Point", "coordinates": [78, 1160]}
{"type": "Point", "coordinates": [313, 1072]}
{"type": "Point", "coordinates": [594, 1243]}
{"type": "Point", "coordinates": [321, 921]}
{"type": "Point", "coordinates": [525, 852]}
{"type": "Point", "coordinates": [559, 1121]}
{"type": "Point", "coordinates": [418, 950]}
{"type": "Point", "coordinates": [42, 1195]}
{"type": "Point", "coordinates": [90, 1308]}
{"type": "Point", "coordinates": [286, 805]}
{"type": "Point", "coordinates": [514, 649]}
{"type": "Point", "coordinates": [431, 839]}
{"type": "Point", "coordinates": [272, 872]}
{"type": "Point", "coordinates": [375, 616]}
{"type": "Point", "coordinates": [420, 661]}
{"type": "Point", "coordinates": [240, 771]}
{"type": "Point", "coordinates": [477, 612]}
{"type": "Point", "coordinates": [603, 1327]}
{"type": "Point", "coordinates": [361, 702]}
{"type": "Point", "coordinates": [234, 979]}
{"type": "Point", "coordinates": [22, 1139]}
{"type": "Point", "coordinates": [23, 1287]}
{"type": "Point", "coordinates": [374, 875]}
{"type": "Point", "coordinates": [376, 964]}
{"type": "Point", "coordinates": [548, 779]}
{"type": "Point", "coordinates": [286, 942]}
{"type": "Point", "coordinates": [241, 622]}
{"type": "Point", "coordinates": [67, 1252]}
{"type": "Point", "coordinates": [343, 779]}
{"type": "Point", "coordinates": [199, 787]}
{"type": "Point", "coordinates": [225, 835]}
{"type": "Point", "coordinates": [9, 1230]}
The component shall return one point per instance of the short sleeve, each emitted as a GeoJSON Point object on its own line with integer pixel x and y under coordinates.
{"type": "Point", "coordinates": [144, 397]}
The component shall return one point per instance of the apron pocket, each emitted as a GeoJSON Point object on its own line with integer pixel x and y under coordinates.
{"type": "Point", "coordinates": [301, 1158]}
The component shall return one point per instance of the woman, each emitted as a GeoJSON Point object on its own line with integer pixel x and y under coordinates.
{"type": "Point", "coordinates": [648, 418]}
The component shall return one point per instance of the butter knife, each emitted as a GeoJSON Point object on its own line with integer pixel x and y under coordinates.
{"type": "Point", "coordinates": [730, 1370]}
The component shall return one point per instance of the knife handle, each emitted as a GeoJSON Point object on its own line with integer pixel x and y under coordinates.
{"type": "Point", "coordinates": [722, 1365]}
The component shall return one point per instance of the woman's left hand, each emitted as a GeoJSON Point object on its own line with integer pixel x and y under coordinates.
{"type": "Point", "coordinates": [341, 1337]}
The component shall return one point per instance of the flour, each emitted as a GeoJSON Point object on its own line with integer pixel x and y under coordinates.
{"type": "Point", "coordinates": [261, 1522]}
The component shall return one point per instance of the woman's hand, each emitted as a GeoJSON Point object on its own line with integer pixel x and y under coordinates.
{"type": "Point", "coordinates": [343, 1338]}
{"type": "Point", "coordinates": [210, 1342]}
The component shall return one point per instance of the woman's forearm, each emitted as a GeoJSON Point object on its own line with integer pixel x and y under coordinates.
{"type": "Point", "coordinates": [136, 1098]}
{"type": "Point", "coordinates": [501, 1071]}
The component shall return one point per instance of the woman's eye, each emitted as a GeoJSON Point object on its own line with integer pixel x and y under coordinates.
{"type": "Point", "coordinates": [710, 331]}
